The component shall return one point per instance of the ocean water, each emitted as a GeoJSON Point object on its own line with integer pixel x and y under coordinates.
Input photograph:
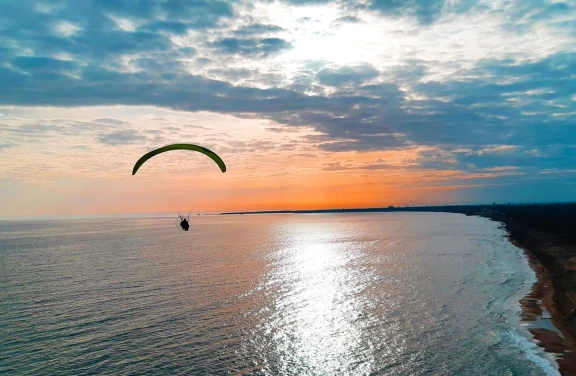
{"type": "Point", "coordinates": [320, 294]}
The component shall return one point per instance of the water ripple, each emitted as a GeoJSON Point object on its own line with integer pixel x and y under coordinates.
{"type": "Point", "coordinates": [355, 294]}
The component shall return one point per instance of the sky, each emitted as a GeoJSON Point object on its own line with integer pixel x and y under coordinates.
{"type": "Point", "coordinates": [311, 104]}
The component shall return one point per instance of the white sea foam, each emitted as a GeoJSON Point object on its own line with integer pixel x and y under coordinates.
{"type": "Point", "coordinates": [534, 354]}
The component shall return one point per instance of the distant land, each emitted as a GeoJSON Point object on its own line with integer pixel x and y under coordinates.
{"type": "Point", "coordinates": [462, 209]}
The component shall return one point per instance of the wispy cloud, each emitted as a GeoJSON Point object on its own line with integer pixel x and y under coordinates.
{"type": "Point", "coordinates": [126, 137]}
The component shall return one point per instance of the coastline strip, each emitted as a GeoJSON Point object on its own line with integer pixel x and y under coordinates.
{"type": "Point", "coordinates": [542, 318]}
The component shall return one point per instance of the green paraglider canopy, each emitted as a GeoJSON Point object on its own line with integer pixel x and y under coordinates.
{"type": "Point", "coordinates": [192, 147]}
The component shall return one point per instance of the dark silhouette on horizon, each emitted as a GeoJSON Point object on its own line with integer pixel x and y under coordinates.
{"type": "Point", "coordinates": [185, 225]}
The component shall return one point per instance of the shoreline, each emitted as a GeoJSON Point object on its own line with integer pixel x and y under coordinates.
{"type": "Point", "coordinates": [540, 317]}
{"type": "Point", "coordinates": [545, 312]}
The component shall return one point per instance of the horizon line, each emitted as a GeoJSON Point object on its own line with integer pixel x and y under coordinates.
{"type": "Point", "coordinates": [277, 211]}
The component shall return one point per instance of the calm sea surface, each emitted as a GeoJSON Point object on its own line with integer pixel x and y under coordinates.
{"type": "Point", "coordinates": [325, 294]}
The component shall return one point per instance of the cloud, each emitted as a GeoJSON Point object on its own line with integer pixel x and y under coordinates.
{"type": "Point", "coordinates": [6, 146]}
{"type": "Point", "coordinates": [111, 121]}
{"type": "Point", "coordinates": [257, 29]}
{"type": "Point", "coordinates": [339, 166]}
{"type": "Point", "coordinates": [281, 129]}
{"type": "Point", "coordinates": [171, 27]}
{"type": "Point", "coordinates": [498, 149]}
{"type": "Point", "coordinates": [347, 19]}
{"type": "Point", "coordinates": [370, 118]}
{"type": "Point", "coordinates": [248, 146]}
{"type": "Point", "coordinates": [303, 155]}
{"type": "Point", "coordinates": [347, 75]}
{"type": "Point", "coordinates": [201, 13]}
{"type": "Point", "coordinates": [35, 64]}
{"type": "Point", "coordinates": [252, 47]}
{"type": "Point", "coordinates": [555, 171]}
{"type": "Point", "coordinates": [173, 129]}
{"type": "Point", "coordinates": [308, 2]}
{"type": "Point", "coordinates": [426, 11]}
{"type": "Point", "coordinates": [99, 31]}
{"type": "Point", "coordinates": [483, 104]}
{"type": "Point", "coordinates": [194, 126]}
{"type": "Point", "coordinates": [22, 129]}
{"type": "Point", "coordinates": [126, 137]}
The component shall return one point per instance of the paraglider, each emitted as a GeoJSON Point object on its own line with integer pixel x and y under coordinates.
{"type": "Point", "coordinates": [184, 225]}
{"type": "Point", "coordinates": [191, 147]}
{"type": "Point", "coordinates": [182, 222]}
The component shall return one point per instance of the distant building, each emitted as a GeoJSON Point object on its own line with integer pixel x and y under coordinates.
{"type": "Point", "coordinates": [390, 207]}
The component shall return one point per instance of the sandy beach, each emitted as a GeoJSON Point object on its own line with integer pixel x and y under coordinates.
{"type": "Point", "coordinates": [544, 233]}
{"type": "Point", "coordinates": [544, 321]}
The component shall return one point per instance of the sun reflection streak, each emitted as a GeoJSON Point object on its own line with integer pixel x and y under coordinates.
{"type": "Point", "coordinates": [314, 328]}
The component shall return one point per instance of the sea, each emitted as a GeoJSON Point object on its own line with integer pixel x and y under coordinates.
{"type": "Point", "coordinates": [286, 294]}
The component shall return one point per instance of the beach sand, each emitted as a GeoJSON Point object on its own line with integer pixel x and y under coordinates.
{"type": "Point", "coordinates": [543, 319]}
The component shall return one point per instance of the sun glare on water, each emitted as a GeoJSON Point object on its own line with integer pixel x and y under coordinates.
{"type": "Point", "coordinates": [313, 327]}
